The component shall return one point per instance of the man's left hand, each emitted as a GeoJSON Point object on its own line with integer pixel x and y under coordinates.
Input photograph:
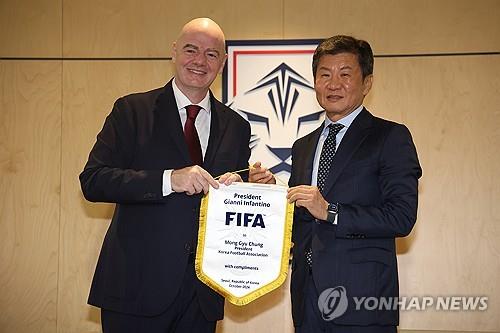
{"type": "Point", "coordinates": [310, 198]}
{"type": "Point", "coordinates": [230, 177]}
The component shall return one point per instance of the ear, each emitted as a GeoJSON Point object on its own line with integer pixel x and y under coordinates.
{"type": "Point", "coordinates": [174, 51]}
{"type": "Point", "coordinates": [221, 69]}
{"type": "Point", "coordinates": [367, 84]}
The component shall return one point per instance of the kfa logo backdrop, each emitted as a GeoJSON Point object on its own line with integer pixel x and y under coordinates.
{"type": "Point", "coordinates": [270, 83]}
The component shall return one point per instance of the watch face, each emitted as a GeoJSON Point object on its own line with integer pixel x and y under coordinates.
{"type": "Point", "coordinates": [333, 207]}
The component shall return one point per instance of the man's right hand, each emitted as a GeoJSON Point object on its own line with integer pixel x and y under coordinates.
{"type": "Point", "coordinates": [192, 180]}
{"type": "Point", "coordinates": [259, 174]}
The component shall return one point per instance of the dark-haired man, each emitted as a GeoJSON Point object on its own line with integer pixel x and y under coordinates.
{"type": "Point", "coordinates": [354, 182]}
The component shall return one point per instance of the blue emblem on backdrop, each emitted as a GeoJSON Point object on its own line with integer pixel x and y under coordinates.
{"type": "Point", "coordinates": [270, 83]}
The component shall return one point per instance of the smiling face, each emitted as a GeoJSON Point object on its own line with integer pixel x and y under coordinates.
{"type": "Point", "coordinates": [339, 84]}
{"type": "Point", "coordinates": [199, 55]}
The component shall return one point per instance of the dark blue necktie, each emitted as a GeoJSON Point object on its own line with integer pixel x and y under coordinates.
{"type": "Point", "coordinates": [325, 162]}
{"type": "Point", "coordinates": [326, 157]}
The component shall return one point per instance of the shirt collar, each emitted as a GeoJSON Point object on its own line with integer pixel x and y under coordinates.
{"type": "Point", "coordinates": [347, 120]}
{"type": "Point", "coordinates": [182, 100]}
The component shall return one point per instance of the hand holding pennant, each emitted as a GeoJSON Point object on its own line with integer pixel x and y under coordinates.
{"type": "Point", "coordinates": [244, 240]}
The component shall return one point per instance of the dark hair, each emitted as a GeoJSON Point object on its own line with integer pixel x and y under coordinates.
{"type": "Point", "coordinates": [345, 44]}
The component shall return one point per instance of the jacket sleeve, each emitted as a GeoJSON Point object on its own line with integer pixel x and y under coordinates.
{"type": "Point", "coordinates": [106, 176]}
{"type": "Point", "coordinates": [396, 212]}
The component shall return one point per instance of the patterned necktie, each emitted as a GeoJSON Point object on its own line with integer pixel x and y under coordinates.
{"type": "Point", "coordinates": [325, 162]}
{"type": "Point", "coordinates": [325, 159]}
{"type": "Point", "coordinates": [191, 134]}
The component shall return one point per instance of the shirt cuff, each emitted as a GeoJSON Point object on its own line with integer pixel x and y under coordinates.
{"type": "Point", "coordinates": [336, 219]}
{"type": "Point", "coordinates": [167, 184]}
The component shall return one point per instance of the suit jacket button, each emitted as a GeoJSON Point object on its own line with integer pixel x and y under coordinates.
{"type": "Point", "coordinates": [187, 247]}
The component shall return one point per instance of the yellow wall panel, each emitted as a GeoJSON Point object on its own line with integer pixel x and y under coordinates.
{"type": "Point", "coordinates": [30, 28]}
{"type": "Point", "coordinates": [451, 107]}
{"type": "Point", "coordinates": [129, 28]}
{"type": "Point", "coordinates": [400, 26]}
{"type": "Point", "coordinates": [90, 89]}
{"type": "Point", "coordinates": [30, 141]}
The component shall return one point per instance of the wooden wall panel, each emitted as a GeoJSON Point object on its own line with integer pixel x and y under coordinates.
{"type": "Point", "coordinates": [451, 107]}
{"type": "Point", "coordinates": [30, 141]}
{"type": "Point", "coordinates": [90, 89]}
{"type": "Point", "coordinates": [147, 29]}
{"type": "Point", "coordinates": [400, 26]}
{"type": "Point", "coordinates": [50, 236]}
{"type": "Point", "coordinates": [30, 28]}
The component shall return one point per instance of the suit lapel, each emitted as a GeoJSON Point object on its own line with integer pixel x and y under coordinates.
{"type": "Point", "coordinates": [218, 125]}
{"type": "Point", "coordinates": [310, 149]}
{"type": "Point", "coordinates": [170, 121]}
{"type": "Point", "coordinates": [351, 141]}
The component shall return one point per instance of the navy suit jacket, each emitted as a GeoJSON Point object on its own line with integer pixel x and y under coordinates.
{"type": "Point", "coordinates": [147, 245]}
{"type": "Point", "coordinates": [374, 177]}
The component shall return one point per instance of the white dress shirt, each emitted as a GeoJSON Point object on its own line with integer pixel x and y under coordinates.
{"type": "Point", "coordinates": [346, 121]}
{"type": "Point", "coordinates": [202, 124]}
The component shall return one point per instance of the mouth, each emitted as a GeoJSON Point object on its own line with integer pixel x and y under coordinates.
{"type": "Point", "coordinates": [334, 98]}
{"type": "Point", "coordinates": [196, 71]}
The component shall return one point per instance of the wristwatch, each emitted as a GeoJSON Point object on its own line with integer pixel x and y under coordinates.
{"type": "Point", "coordinates": [332, 211]}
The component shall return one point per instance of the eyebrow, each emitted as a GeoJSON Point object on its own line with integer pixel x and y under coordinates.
{"type": "Point", "coordinates": [190, 46]}
{"type": "Point", "coordinates": [187, 46]}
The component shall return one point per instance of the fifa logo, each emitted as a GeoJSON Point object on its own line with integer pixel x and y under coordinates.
{"type": "Point", "coordinates": [245, 219]}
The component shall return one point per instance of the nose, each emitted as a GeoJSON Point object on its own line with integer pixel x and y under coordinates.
{"type": "Point", "coordinates": [200, 59]}
{"type": "Point", "coordinates": [333, 83]}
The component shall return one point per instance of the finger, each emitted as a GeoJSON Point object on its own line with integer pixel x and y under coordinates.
{"type": "Point", "coordinates": [293, 191]}
{"type": "Point", "coordinates": [233, 178]}
{"type": "Point", "coordinates": [208, 177]}
{"type": "Point", "coordinates": [300, 203]}
{"type": "Point", "coordinates": [204, 185]}
{"type": "Point", "coordinates": [190, 190]}
{"type": "Point", "coordinates": [198, 187]}
{"type": "Point", "coordinates": [224, 177]}
{"type": "Point", "coordinates": [269, 177]}
{"type": "Point", "coordinates": [256, 165]}
{"type": "Point", "coordinates": [206, 189]}
{"type": "Point", "coordinates": [262, 176]}
{"type": "Point", "coordinates": [299, 195]}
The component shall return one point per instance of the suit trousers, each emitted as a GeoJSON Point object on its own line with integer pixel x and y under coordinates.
{"type": "Point", "coordinates": [182, 316]}
{"type": "Point", "coordinates": [314, 323]}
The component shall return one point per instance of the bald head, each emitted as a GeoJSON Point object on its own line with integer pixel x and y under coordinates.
{"type": "Point", "coordinates": [203, 25]}
{"type": "Point", "coordinates": [199, 54]}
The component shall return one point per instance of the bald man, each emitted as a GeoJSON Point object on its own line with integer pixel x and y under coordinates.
{"type": "Point", "coordinates": [156, 155]}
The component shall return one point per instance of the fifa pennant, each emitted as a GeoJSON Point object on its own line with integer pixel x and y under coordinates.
{"type": "Point", "coordinates": [244, 240]}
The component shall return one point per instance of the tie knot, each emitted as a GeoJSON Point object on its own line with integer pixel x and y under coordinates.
{"type": "Point", "coordinates": [192, 111]}
{"type": "Point", "coordinates": [334, 129]}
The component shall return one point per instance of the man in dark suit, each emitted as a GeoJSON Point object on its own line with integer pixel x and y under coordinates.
{"type": "Point", "coordinates": [354, 182]}
{"type": "Point", "coordinates": [155, 157]}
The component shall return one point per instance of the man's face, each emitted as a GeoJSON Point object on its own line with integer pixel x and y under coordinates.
{"type": "Point", "coordinates": [339, 84]}
{"type": "Point", "coordinates": [198, 56]}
